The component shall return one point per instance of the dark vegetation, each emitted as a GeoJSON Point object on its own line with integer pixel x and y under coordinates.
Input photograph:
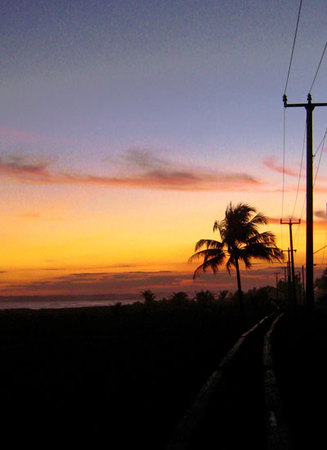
{"type": "Point", "coordinates": [299, 351]}
{"type": "Point", "coordinates": [120, 376]}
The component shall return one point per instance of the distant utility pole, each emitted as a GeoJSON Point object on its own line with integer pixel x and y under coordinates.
{"type": "Point", "coordinates": [309, 106]}
{"type": "Point", "coordinates": [291, 222]}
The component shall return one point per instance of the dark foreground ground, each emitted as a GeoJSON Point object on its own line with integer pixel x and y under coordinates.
{"type": "Point", "coordinates": [119, 377]}
{"type": "Point", "coordinates": [300, 354]}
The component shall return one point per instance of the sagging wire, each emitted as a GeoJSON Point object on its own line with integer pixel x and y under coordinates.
{"type": "Point", "coordinates": [322, 57]}
{"type": "Point", "coordinates": [293, 46]}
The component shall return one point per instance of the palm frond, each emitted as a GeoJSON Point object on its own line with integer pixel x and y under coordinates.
{"type": "Point", "coordinates": [246, 261]}
{"type": "Point", "coordinates": [259, 219]}
{"type": "Point", "coordinates": [260, 250]}
{"type": "Point", "coordinates": [238, 224]}
{"type": "Point", "coordinates": [205, 254]}
{"type": "Point", "coordinates": [266, 238]}
{"type": "Point", "coordinates": [217, 225]}
{"type": "Point", "coordinates": [208, 243]}
{"type": "Point", "coordinates": [212, 264]}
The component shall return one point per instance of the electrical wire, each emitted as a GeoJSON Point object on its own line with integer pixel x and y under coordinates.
{"type": "Point", "coordinates": [322, 57]}
{"type": "Point", "coordinates": [283, 177]}
{"type": "Point", "coordinates": [284, 127]}
{"type": "Point", "coordinates": [320, 146]}
{"type": "Point", "coordinates": [284, 155]}
{"type": "Point", "coordinates": [297, 234]}
{"type": "Point", "coordinates": [293, 46]}
{"type": "Point", "coordinates": [300, 173]}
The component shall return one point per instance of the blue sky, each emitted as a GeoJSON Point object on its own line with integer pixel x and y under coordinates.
{"type": "Point", "coordinates": [166, 75]}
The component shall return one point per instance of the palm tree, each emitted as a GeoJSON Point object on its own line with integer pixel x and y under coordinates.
{"type": "Point", "coordinates": [148, 296]}
{"type": "Point", "coordinates": [205, 297]}
{"type": "Point", "coordinates": [240, 241]}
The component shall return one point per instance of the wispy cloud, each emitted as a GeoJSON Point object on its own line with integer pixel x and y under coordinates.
{"type": "Point", "coordinates": [25, 171]}
{"type": "Point", "coordinates": [141, 158]}
{"type": "Point", "coordinates": [156, 173]}
{"type": "Point", "coordinates": [321, 214]}
{"type": "Point", "coordinates": [30, 215]}
{"type": "Point", "coordinates": [270, 162]}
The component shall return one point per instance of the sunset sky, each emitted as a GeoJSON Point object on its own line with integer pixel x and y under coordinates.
{"type": "Point", "coordinates": [126, 127]}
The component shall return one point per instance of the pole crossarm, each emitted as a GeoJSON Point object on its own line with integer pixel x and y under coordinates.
{"type": "Point", "coordinates": [304, 105]}
{"type": "Point", "coordinates": [309, 104]}
{"type": "Point", "coordinates": [290, 222]}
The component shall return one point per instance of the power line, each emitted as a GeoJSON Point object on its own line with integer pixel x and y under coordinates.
{"type": "Point", "coordinates": [293, 46]}
{"type": "Point", "coordinates": [322, 248]}
{"type": "Point", "coordinates": [321, 145]}
{"type": "Point", "coordinates": [284, 151]}
{"type": "Point", "coordinates": [283, 179]}
{"type": "Point", "coordinates": [300, 173]}
{"type": "Point", "coordinates": [322, 57]}
{"type": "Point", "coordinates": [284, 122]}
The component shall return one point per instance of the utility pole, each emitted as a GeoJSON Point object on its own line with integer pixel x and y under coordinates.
{"type": "Point", "coordinates": [290, 223]}
{"type": "Point", "coordinates": [309, 106]}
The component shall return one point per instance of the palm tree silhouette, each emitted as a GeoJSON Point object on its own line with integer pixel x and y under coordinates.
{"type": "Point", "coordinates": [240, 241]}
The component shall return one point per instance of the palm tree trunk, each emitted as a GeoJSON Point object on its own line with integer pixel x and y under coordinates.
{"type": "Point", "coordinates": [239, 289]}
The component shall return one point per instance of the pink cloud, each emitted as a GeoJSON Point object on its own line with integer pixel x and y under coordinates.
{"type": "Point", "coordinates": [270, 162]}
{"type": "Point", "coordinates": [25, 172]}
{"type": "Point", "coordinates": [322, 215]}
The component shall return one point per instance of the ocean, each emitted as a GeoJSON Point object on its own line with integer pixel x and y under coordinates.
{"type": "Point", "coordinates": [63, 301]}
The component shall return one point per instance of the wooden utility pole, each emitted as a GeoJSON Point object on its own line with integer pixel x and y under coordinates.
{"type": "Point", "coordinates": [291, 222]}
{"type": "Point", "coordinates": [309, 106]}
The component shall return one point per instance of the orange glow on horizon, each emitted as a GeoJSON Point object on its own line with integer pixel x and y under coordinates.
{"type": "Point", "coordinates": [61, 231]}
